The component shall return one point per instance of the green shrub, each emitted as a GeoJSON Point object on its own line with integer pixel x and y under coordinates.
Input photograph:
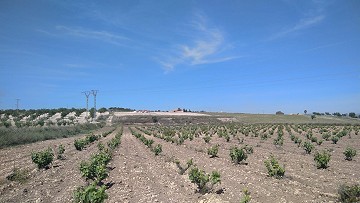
{"type": "Point", "coordinates": [100, 146]}
{"type": "Point", "coordinates": [349, 153]}
{"type": "Point", "coordinates": [215, 178]}
{"type": "Point", "coordinates": [212, 151]}
{"type": "Point", "coordinates": [43, 158]}
{"type": "Point", "coordinates": [308, 147]}
{"type": "Point", "coordinates": [91, 138]}
{"type": "Point", "coordinates": [273, 167]}
{"type": "Point", "coordinates": [322, 159]}
{"type": "Point", "coordinates": [349, 194]}
{"type": "Point", "coordinates": [200, 178]}
{"type": "Point", "coordinates": [183, 169]}
{"type": "Point", "coordinates": [113, 143]}
{"type": "Point", "coordinates": [149, 142]}
{"type": "Point", "coordinates": [7, 124]}
{"type": "Point", "coordinates": [246, 198]}
{"type": "Point", "coordinates": [335, 139]}
{"type": "Point", "coordinates": [264, 136]}
{"type": "Point", "coordinates": [342, 133]}
{"type": "Point", "coordinates": [227, 137]}
{"type": "Point", "coordinates": [279, 141]}
{"type": "Point", "coordinates": [91, 171]}
{"type": "Point", "coordinates": [80, 144]}
{"type": "Point", "coordinates": [248, 149]}
{"type": "Point", "coordinates": [90, 194]}
{"type": "Point", "coordinates": [309, 135]}
{"type": "Point", "coordinates": [157, 149]}
{"type": "Point", "coordinates": [102, 157]}
{"type": "Point", "coordinates": [298, 141]}
{"type": "Point", "coordinates": [207, 139]}
{"type": "Point", "coordinates": [61, 150]}
{"type": "Point", "coordinates": [314, 139]}
{"type": "Point", "coordinates": [95, 169]}
{"type": "Point", "coordinates": [326, 136]}
{"type": "Point", "coordinates": [237, 155]}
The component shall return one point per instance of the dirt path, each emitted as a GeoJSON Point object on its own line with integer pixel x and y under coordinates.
{"type": "Point", "coordinates": [139, 176]}
{"type": "Point", "coordinates": [56, 184]}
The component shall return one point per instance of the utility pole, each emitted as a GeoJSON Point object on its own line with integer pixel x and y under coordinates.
{"type": "Point", "coordinates": [87, 94]}
{"type": "Point", "coordinates": [94, 92]}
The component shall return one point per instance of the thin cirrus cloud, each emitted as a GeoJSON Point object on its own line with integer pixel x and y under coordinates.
{"type": "Point", "coordinates": [93, 34]}
{"type": "Point", "coordinates": [303, 24]}
{"type": "Point", "coordinates": [205, 48]}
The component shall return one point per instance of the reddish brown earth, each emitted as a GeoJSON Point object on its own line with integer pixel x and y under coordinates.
{"type": "Point", "coordinates": [140, 176]}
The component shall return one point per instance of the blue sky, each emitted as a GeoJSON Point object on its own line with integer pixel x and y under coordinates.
{"type": "Point", "coordinates": [234, 56]}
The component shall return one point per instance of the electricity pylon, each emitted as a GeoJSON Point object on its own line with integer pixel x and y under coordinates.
{"type": "Point", "coordinates": [87, 94]}
{"type": "Point", "coordinates": [94, 92]}
{"type": "Point", "coordinates": [17, 105]}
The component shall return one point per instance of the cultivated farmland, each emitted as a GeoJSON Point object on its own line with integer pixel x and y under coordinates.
{"type": "Point", "coordinates": [191, 161]}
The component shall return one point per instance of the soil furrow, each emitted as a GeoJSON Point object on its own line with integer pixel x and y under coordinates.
{"type": "Point", "coordinates": [139, 176]}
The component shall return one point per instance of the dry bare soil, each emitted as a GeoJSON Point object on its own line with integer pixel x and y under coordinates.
{"type": "Point", "coordinates": [138, 175]}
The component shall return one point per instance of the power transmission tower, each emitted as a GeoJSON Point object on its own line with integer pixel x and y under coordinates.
{"type": "Point", "coordinates": [94, 92]}
{"type": "Point", "coordinates": [87, 94]}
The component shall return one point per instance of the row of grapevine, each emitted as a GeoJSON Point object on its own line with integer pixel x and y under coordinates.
{"type": "Point", "coordinates": [95, 170]}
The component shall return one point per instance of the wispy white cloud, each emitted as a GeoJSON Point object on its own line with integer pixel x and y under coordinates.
{"type": "Point", "coordinates": [94, 34]}
{"type": "Point", "coordinates": [204, 47]}
{"type": "Point", "coordinates": [314, 15]}
{"type": "Point", "coordinates": [304, 23]}
{"type": "Point", "coordinates": [323, 46]}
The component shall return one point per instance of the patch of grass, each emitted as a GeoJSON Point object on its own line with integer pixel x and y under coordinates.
{"type": "Point", "coordinates": [18, 136]}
